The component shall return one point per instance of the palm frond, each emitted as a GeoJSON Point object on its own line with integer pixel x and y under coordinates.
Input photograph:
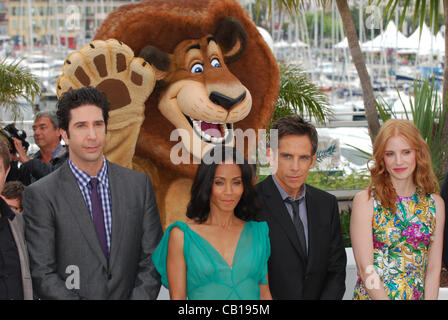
{"type": "Point", "coordinates": [17, 82]}
{"type": "Point", "coordinates": [421, 8]}
{"type": "Point", "coordinates": [384, 110]}
{"type": "Point", "coordinates": [428, 116]}
{"type": "Point", "coordinates": [364, 154]}
{"type": "Point", "coordinates": [298, 95]}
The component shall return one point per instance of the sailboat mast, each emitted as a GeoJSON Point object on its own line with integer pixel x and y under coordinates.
{"type": "Point", "coordinates": [30, 27]}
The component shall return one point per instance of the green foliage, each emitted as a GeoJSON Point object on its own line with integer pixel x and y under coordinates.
{"type": "Point", "coordinates": [334, 180]}
{"type": "Point", "coordinates": [311, 24]}
{"type": "Point", "coordinates": [422, 11]}
{"type": "Point", "coordinates": [298, 95]}
{"type": "Point", "coordinates": [338, 180]}
{"type": "Point", "coordinates": [16, 82]}
{"type": "Point", "coordinates": [428, 116]}
{"type": "Point", "coordinates": [345, 216]}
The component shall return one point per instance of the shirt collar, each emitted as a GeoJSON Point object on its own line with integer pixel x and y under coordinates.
{"type": "Point", "coordinates": [84, 178]}
{"type": "Point", "coordinates": [59, 151]}
{"type": "Point", "coordinates": [285, 195]}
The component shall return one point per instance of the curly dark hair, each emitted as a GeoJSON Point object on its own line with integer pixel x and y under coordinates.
{"type": "Point", "coordinates": [13, 190]}
{"type": "Point", "coordinates": [199, 206]}
{"type": "Point", "coordinates": [75, 98]}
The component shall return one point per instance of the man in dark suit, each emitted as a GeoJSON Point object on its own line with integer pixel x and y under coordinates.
{"type": "Point", "coordinates": [15, 278]}
{"type": "Point", "coordinates": [308, 258]}
{"type": "Point", "coordinates": [91, 225]}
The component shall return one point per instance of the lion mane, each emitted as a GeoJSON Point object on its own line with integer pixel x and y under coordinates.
{"type": "Point", "coordinates": [163, 25]}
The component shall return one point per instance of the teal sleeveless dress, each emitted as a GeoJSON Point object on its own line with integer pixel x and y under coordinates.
{"type": "Point", "coordinates": [209, 276]}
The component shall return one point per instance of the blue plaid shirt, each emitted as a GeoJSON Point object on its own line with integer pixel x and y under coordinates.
{"type": "Point", "coordinates": [83, 180]}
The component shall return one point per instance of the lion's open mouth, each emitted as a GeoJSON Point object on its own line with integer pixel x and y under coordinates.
{"type": "Point", "coordinates": [210, 131]}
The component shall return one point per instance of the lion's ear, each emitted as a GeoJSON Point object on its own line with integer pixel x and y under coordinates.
{"type": "Point", "coordinates": [232, 38]}
{"type": "Point", "coordinates": [158, 59]}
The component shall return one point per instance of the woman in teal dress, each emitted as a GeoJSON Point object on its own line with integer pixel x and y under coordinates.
{"type": "Point", "coordinates": [397, 223]}
{"type": "Point", "coordinates": [220, 252]}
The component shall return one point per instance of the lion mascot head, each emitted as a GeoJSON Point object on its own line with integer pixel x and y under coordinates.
{"type": "Point", "coordinates": [205, 71]}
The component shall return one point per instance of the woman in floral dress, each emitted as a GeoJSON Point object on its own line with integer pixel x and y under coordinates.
{"type": "Point", "coordinates": [397, 223]}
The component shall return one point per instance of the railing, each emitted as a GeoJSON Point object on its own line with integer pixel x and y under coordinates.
{"type": "Point", "coordinates": [342, 123]}
{"type": "Point", "coordinates": [334, 123]}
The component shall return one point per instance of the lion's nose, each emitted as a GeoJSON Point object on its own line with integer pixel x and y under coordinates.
{"type": "Point", "coordinates": [225, 101]}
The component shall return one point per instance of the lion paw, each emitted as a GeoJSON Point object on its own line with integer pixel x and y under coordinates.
{"type": "Point", "coordinates": [127, 82]}
{"type": "Point", "coordinates": [111, 67]}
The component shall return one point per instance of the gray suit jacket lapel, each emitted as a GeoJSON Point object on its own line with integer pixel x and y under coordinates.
{"type": "Point", "coordinates": [78, 207]}
{"type": "Point", "coordinates": [118, 211]}
{"type": "Point", "coordinates": [17, 233]}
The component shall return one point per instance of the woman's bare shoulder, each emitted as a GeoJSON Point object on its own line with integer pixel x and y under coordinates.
{"type": "Point", "coordinates": [362, 203]}
{"type": "Point", "coordinates": [362, 196]}
{"type": "Point", "coordinates": [437, 198]}
{"type": "Point", "coordinates": [176, 234]}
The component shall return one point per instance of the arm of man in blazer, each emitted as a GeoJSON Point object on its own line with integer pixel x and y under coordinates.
{"type": "Point", "coordinates": [40, 234]}
{"type": "Point", "coordinates": [147, 283]}
{"type": "Point", "coordinates": [337, 261]}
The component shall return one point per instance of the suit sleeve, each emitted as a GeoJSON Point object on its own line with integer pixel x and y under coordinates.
{"type": "Point", "coordinates": [37, 168]}
{"type": "Point", "coordinates": [147, 283]}
{"type": "Point", "coordinates": [335, 283]}
{"type": "Point", "coordinates": [40, 235]}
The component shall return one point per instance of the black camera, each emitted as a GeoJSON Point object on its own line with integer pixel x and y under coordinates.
{"type": "Point", "coordinates": [10, 131]}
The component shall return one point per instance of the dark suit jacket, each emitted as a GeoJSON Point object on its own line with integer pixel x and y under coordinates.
{"type": "Point", "coordinates": [292, 275]}
{"type": "Point", "coordinates": [17, 230]}
{"type": "Point", "coordinates": [444, 194]}
{"type": "Point", "coordinates": [61, 238]}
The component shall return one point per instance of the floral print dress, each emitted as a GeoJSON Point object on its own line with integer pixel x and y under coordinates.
{"type": "Point", "coordinates": [400, 247]}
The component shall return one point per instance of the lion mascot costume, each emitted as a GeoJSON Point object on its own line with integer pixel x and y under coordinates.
{"type": "Point", "coordinates": [180, 77]}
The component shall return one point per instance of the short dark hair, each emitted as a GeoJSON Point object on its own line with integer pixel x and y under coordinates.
{"type": "Point", "coordinates": [5, 153]}
{"type": "Point", "coordinates": [295, 125]}
{"type": "Point", "coordinates": [13, 190]}
{"type": "Point", "coordinates": [199, 206]}
{"type": "Point", "coordinates": [75, 98]}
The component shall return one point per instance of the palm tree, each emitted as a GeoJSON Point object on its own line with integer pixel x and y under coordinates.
{"type": "Point", "coordinates": [293, 7]}
{"type": "Point", "coordinates": [16, 82]}
{"type": "Point", "coordinates": [420, 9]}
{"type": "Point", "coordinates": [361, 68]}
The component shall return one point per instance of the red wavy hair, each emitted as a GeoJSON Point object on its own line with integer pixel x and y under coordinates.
{"type": "Point", "coordinates": [380, 182]}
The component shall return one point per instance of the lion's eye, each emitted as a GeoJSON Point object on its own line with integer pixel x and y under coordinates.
{"type": "Point", "coordinates": [197, 67]}
{"type": "Point", "coordinates": [215, 63]}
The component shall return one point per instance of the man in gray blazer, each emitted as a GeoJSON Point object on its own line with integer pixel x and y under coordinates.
{"type": "Point", "coordinates": [15, 278]}
{"type": "Point", "coordinates": [91, 225]}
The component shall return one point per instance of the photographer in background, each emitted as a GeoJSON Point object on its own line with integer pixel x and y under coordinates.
{"type": "Point", "coordinates": [51, 154]}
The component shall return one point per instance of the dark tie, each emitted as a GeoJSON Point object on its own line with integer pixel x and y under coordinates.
{"type": "Point", "coordinates": [98, 217]}
{"type": "Point", "coordinates": [298, 222]}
